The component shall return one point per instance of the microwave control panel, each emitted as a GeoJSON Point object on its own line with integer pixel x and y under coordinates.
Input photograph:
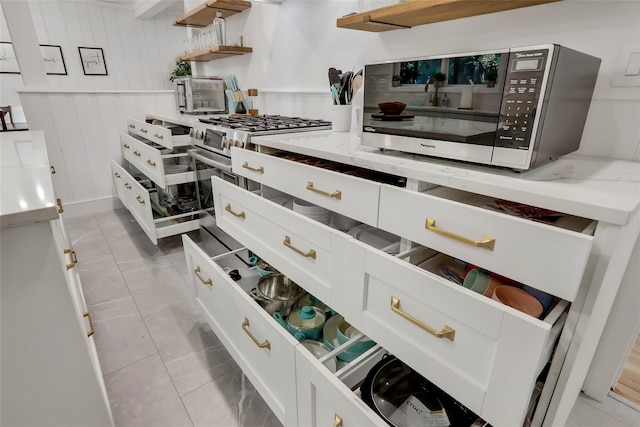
{"type": "Point", "coordinates": [522, 89]}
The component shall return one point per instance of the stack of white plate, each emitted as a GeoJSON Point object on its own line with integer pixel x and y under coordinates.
{"type": "Point", "coordinates": [343, 223]}
{"type": "Point", "coordinates": [312, 211]}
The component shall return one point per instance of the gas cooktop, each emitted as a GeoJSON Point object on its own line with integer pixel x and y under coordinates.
{"type": "Point", "coordinates": [267, 123]}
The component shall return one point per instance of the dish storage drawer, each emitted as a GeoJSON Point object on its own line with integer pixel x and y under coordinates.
{"type": "Point", "coordinates": [549, 258]}
{"type": "Point", "coordinates": [145, 158]}
{"type": "Point", "coordinates": [311, 254]}
{"type": "Point", "coordinates": [157, 134]}
{"type": "Point", "coordinates": [353, 197]}
{"type": "Point", "coordinates": [119, 175]}
{"type": "Point", "coordinates": [325, 400]}
{"type": "Point", "coordinates": [262, 348]}
{"type": "Point", "coordinates": [484, 354]}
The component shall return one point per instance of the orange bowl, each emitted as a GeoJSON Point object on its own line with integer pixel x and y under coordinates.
{"type": "Point", "coordinates": [392, 108]}
{"type": "Point", "coordinates": [518, 299]}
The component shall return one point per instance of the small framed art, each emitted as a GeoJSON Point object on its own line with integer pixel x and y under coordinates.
{"type": "Point", "coordinates": [92, 59]}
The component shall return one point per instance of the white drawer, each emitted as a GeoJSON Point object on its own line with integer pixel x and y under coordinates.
{"type": "Point", "coordinates": [545, 257]}
{"type": "Point", "coordinates": [146, 159]}
{"type": "Point", "coordinates": [324, 399]}
{"type": "Point", "coordinates": [157, 134]}
{"type": "Point", "coordinates": [311, 254]}
{"type": "Point", "coordinates": [119, 175]}
{"type": "Point", "coordinates": [137, 200]}
{"type": "Point", "coordinates": [492, 360]}
{"type": "Point", "coordinates": [262, 348]}
{"type": "Point", "coordinates": [353, 197]}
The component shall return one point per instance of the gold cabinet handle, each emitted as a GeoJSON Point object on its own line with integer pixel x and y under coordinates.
{"type": "Point", "coordinates": [117, 175]}
{"type": "Point", "coordinates": [53, 170]}
{"type": "Point", "coordinates": [337, 422]}
{"type": "Point", "coordinates": [239, 215]}
{"type": "Point", "coordinates": [258, 169]}
{"type": "Point", "coordinates": [59, 203]}
{"type": "Point", "coordinates": [139, 199]}
{"type": "Point", "coordinates": [151, 163]}
{"type": "Point", "coordinates": [157, 135]}
{"type": "Point", "coordinates": [137, 153]}
{"type": "Point", "coordinates": [126, 146]}
{"type": "Point", "coordinates": [88, 316]}
{"type": "Point", "coordinates": [127, 186]}
{"type": "Point", "coordinates": [245, 326]}
{"type": "Point", "coordinates": [446, 332]}
{"type": "Point", "coordinates": [336, 194]}
{"type": "Point", "coordinates": [74, 259]}
{"type": "Point", "coordinates": [486, 242]}
{"type": "Point", "coordinates": [207, 282]}
{"type": "Point", "coordinates": [132, 126]}
{"type": "Point", "coordinates": [143, 130]}
{"type": "Point", "coordinates": [310, 254]}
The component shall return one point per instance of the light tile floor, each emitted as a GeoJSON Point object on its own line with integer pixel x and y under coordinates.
{"type": "Point", "coordinates": [162, 364]}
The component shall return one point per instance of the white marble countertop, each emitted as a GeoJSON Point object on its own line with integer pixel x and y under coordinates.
{"type": "Point", "coordinates": [596, 188]}
{"type": "Point", "coordinates": [27, 194]}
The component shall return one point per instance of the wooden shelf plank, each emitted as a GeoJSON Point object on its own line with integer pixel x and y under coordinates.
{"type": "Point", "coordinates": [420, 12]}
{"type": "Point", "coordinates": [215, 53]}
{"type": "Point", "coordinates": [203, 15]}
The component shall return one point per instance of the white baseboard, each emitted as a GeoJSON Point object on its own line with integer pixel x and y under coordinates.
{"type": "Point", "coordinates": [91, 207]}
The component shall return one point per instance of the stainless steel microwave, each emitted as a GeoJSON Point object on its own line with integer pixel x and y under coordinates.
{"type": "Point", "coordinates": [200, 95]}
{"type": "Point", "coordinates": [517, 108]}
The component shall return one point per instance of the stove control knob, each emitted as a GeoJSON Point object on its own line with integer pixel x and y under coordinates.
{"type": "Point", "coordinates": [225, 142]}
{"type": "Point", "coordinates": [192, 133]}
{"type": "Point", "coordinates": [199, 134]}
{"type": "Point", "coordinates": [239, 143]}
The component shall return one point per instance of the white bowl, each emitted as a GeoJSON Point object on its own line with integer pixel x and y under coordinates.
{"type": "Point", "coordinates": [318, 349]}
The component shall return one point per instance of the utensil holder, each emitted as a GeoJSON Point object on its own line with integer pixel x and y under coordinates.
{"type": "Point", "coordinates": [341, 118]}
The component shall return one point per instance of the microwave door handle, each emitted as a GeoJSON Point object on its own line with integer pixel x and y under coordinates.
{"type": "Point", "coordinates": [182, 94]}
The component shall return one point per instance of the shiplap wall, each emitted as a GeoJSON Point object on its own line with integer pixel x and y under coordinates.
{"type": "Point", "coordinates": [139, 54]}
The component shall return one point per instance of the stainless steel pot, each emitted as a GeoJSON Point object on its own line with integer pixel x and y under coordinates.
{"type": "Point", "coordinates": [277, 293]}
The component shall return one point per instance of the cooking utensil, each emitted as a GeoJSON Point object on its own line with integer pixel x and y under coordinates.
{"type": "Point", "coordinates": [305, 322]}
{"type": "Point", "coordinates": [279, 293]}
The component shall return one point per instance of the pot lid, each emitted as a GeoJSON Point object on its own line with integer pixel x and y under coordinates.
{"type": "Point", "coordinates": [307, 317]}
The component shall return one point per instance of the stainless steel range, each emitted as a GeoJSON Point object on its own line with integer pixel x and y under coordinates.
{"type": "Point", "coordinates": [219, 134]}
{"type": "Point", "coordinates": [212, 139]}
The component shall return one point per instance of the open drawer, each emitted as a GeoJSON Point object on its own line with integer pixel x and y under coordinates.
{"type": "Point", "coordinates": [156, 221]}
{"type": "Point", "coordinates": [262, 348]}
{"type": "Point", "coordinates": [354, 197]}
{"type": "Point", "coordinates": [161, 167]}
{"type": "Point", "coordinates": [311, 254]}
{"type": "Point", "coordinates": [549, 258]}
{"type": "Point", "coordinates": [160, 135]}
{"type": "Point", "coordinates": [483, 353]}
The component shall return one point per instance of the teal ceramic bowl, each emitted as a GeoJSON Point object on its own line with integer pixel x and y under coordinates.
{"type": "Point", "coordinates": [330, 339]}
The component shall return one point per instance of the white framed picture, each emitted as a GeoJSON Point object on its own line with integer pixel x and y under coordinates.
{"type": "Point", "coordinates": [53, 59]}
{"type": "Point", "coordinates": [8, 61]}
{"type": "Point", "coordinates": [92, 59]}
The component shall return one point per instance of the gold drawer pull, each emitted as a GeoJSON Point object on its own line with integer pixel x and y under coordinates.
{"type": "Point", "coordinates": [53, 170]}
{"type": "Point", "coordinates": [137, 153]}
{"type": "Point", "coordinates": [337, 422]}
{"type": "Point", "coordinates": [310, 254]}
{"type": "Point", "coordinates": [59, 203]}
{"type": "Point", "coordinates": [139, 199]}
{"type": "Point", "coordinates": [143, 130]}
{"type": "Point", "coordinates": [486, 242]}
{"type": "Point", "coordinates": [132, 126]}
{"type": "Point", "coordinates": [446, 332]}
{"type": "Point", "coordinates": [126, 146]}
{"type": "Point", "coordinates": [259, 169]}
{"type": "Point", "coordinates": [336, 194]}
{"type": "Point", "coordinates": [151, 163]}
{"type": "Point", "coordinates": [88, 316]}
{"type": "Point", "coordinates": [245, 327]}
{"type": "Point", "coordinates": [117, 175]}
{"type": "Point", "coordinates": [207, 282]}
{"type": "Point", "coordinates": [239, 215]}
{"type": "Point", "coordinates": [157, 135]}
{"type": "Point", "coordinates": [127, 186]}
{"type": "Point", "coordinates": [74, 259]}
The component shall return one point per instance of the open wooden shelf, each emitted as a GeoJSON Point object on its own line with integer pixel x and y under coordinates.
{"type": "Point", "coordinates": [215, 53]}
{"type": "Point", "coordinates": [203, 15]}
{"type": "Point", "coordinates": [420, 12]}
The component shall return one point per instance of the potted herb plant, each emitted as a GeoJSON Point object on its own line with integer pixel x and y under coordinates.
{"type": "Point", "coordinates": [183, 68]}
{"type": "Point", "coordinates": [395, 80]}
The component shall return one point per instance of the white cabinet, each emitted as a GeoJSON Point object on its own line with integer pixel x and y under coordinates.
{"type": "Point", "coordinates": [51, 374]}
{"type": "Point", "coordinates": [155, 180]}
{"type": "Point", "coordinates": [486, 355]}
